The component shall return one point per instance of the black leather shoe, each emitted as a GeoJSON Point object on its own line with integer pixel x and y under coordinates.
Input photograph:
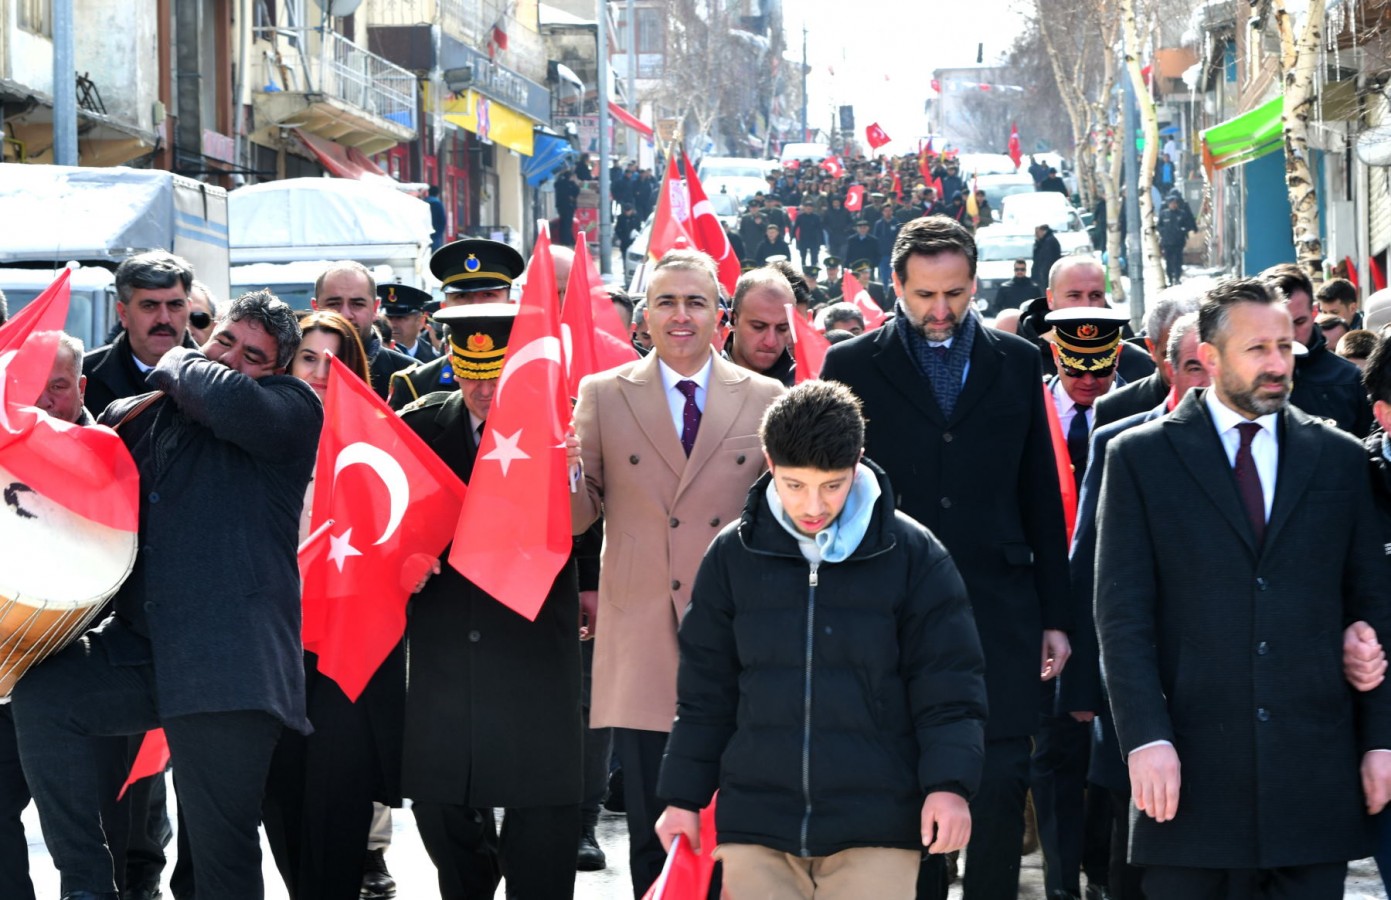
{"type": "Point", "coordinates": [614, 801]}
{"type": "Point", "coordinates": [377, 883]}
{"type": "Point", "coordinates": [591, 855]}
{"type": "Point", "coordinates": [142, 892]}
{"type": "Point", "coordinates": [1097, 892]}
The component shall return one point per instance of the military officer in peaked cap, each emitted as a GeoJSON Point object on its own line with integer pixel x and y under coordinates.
{"type": "Point", "coordinates": [492, 717]}
{"type": "Point", "coordinates": [404, 308]}
{"type": "Point", "coordinates": [471, 271]}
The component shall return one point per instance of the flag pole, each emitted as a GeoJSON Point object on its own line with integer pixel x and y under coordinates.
{"type": "Point", "coordinates": [601, 38]}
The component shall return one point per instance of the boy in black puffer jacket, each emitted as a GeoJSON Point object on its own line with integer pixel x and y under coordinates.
{"type": "Point", "coordinates": [831, 683]}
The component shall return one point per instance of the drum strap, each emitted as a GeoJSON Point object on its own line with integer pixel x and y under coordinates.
{"type": "Point", "coordinates": [138, 409]}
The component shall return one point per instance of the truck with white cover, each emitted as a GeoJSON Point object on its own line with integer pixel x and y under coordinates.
{"type": "Point", "coordinates": [96, 218]}
{"type": "Point", "coordinates": [284, 233]}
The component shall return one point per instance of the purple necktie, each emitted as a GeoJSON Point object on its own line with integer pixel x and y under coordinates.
{"type": "Point", "coordinates": [1248, 481]}
{"type": "Point", "coordinates": [690, 416]}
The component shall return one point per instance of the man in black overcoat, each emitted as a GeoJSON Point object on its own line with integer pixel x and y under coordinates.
{"type": "Point", "coordinates": [956, 417]}
{"type": "Point", "coordinates": [349, 289]}
{"type": "Point", "coordinates": [1252, 763]}
{"type": "Point", "coordinates": [493, 700]}
{"type": "Point", "coordinates": [204, 645]}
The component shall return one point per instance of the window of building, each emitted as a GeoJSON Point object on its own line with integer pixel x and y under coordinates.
{"type": "Point", "coordinates": [36, 16]}
{"type": "Point", "coordinates": [650, 34]}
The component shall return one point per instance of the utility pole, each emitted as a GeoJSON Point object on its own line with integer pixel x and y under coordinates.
{"type": "Point", "coordinates": [64, 86]}
{"type": "Point", "coordinates": [806, 136]}
{"type": "Point", "coordinates": [1133, 253]}
{"type": "Point", "coordinates": [601, 37]}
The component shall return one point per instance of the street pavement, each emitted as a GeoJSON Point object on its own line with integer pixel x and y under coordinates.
{"type": "Point", "coordinates": [415, 875]}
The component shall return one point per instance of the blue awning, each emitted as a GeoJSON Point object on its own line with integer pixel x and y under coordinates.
{"type": "Point", "coordinates": [550, 153]}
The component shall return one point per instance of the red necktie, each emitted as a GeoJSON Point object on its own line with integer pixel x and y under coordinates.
{"type": "Point", "coordinates": [1248, 481]}
{"type": "Point", "coordinates": [690, 416]}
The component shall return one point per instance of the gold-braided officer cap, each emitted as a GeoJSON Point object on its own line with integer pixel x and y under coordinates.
{"type": "Point", "coordinates": [478, 336]}
{"type": "Point", "coordinates": [1088, 338]}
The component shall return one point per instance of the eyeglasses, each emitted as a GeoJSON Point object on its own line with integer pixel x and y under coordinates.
{"type": "Point", "coordinates": [1099, 373]}
{"type": "Point", "coordinates": [199, 319]}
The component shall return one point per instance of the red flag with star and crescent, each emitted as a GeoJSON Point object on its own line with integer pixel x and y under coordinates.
{"type": "Point", "coordinates": [876, 136]}
{"type": "Point", "coordinates": [382, 509]}
{"type": "Point", "coordinates": [706, 230]}
{"type": "Point", "coordinates": [589, 345]}
{"type": "Point", "coordinates": [809, 346]}
{"type": "Point", "coordinates": [671, 221]}
{"type": "Point", "coordinates": [831, 166]}
{"type": "Point", "coordinates": [513, 536]}
{"type": "Point", "coordinates": [854, 198]}
{"type": "Point", "coordinates": [851, 291]}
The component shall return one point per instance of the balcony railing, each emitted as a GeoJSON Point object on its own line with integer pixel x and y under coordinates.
{"type": "Point", "coordinates": [311, 62]}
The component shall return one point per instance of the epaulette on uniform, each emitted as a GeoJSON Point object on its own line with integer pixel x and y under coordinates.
{"type": "Point", "coordinates": [429, 401]}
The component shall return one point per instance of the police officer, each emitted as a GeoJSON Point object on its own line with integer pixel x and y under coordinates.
{"type": "Point", "coordinates": [474, 270]}
{"type": "Point", "coordinates": [404, 308]}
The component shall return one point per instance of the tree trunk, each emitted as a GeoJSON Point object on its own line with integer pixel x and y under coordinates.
{"type": "Point", "coordinates": [1111, 184]}
{"type": "Point", "coordinates": [1149, 232]}
{"type": "Point", "coordinates": [1298, 59]}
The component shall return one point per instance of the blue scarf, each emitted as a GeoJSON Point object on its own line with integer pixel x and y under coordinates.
{"type": "Point", "coordinates": [842, 536]}
{"type": "Point", "coordinates": [943, 372]}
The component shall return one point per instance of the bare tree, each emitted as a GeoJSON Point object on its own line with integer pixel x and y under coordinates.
{"type": "Point", "coordinates": [1069, 40]}
{"type": "Point", "coordinates": [1298, 58]}
{"type": "Point", "coordinates": [1149, 233]}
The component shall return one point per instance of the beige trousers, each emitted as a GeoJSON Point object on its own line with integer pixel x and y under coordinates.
{"type": "Point", "coordinates": [754, 872]}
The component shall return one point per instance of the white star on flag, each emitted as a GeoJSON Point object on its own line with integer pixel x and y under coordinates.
{"type": "Point", "coordinates": [506, 451]}
{"type": "Point", "coordinates": [340, 548]}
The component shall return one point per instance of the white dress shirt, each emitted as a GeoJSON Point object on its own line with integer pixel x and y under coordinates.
{"type": "Point", "coordinates": [1067, 408]}
{"type": "Point", "coordinates": [676, 401]}
{"type": "Point", "coordinates": [1265, 446]}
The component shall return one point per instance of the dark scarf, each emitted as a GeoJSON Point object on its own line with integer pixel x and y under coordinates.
{"type": "Point", "coordinates": [942, 371]}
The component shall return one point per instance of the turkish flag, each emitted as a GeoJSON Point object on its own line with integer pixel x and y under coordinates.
{"type": "Point", "coordinates": [1015, 153]}
{"type": "Point", "coordinates": [686, 874]}
{"type": "Point", "coordinates": [1378, 276]}
{"type": "Point", "coordinates": [87, 471]}
{"type": "Point", "coordinates": [852, 292]}
{"type": "Point", "coordinates": [831, 165]}
{"type": "Point", "coordinates": [876, 136]}
{"type": "Point", "coordinates": [924, 167]}
{"type": "Point", "coordinates": [380, 494]}
{"type": "Point", "coordinates": [707, 232]}
{"type": "Point", "coordinates": [809, 346]}
{"type": "Point", "coordinates": [514, 532]}
{"type": "Point", "coordinates": [669, 223]}
{"type": "Point", "coordinates": [151, 759]}
{"type": "Point", "coordinates": [855, 198]}
{"type": "Point", "coordinates": [1064, 463]}
{"type": "Point", "coordinates": [1351, 268]}
{"type": "Point", "coordinates": [898, 185]}
{"type": "Point", "coordinates": [588, 348]}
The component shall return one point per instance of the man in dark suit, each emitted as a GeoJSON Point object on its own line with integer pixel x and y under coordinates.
{"type": "Point", "coordinates": [206, 646]}
{"type": "Point", "coordinates": [1148, 392]}
{"type": "Point", "coordinates": [1223, 655]}
{"type": "Point", "coordinates": [349, 289]}
{"type": "Point", "coordinates": [956, 417]}
{"type": "Point", "coordinates": [492, 717]}
{"type": "Point", "coordinates": [404, 308]}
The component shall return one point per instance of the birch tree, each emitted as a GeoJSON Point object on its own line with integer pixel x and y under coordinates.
{"type": "Point", "coordinates": [1299, 56]}
{"type": "Point", "coordinates": [1149, 233]}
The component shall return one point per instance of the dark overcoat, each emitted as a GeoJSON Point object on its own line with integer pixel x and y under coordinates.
{"type": "Point", "coordinates": [984, 481]}
{"type": "Point", "coordinates": [224, 461]}
{"type": "Point", "coordinates": [1133, 399]}
{"type": "Point", "coordinates": [1233, 651]}
{"type": "Point", "coordinates": [492, 700]}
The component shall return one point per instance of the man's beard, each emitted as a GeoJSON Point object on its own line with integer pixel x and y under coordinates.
{"type": "Point", "coordinates": [1246, 397]}
{"type": "Point", "coordinates": [920, 326]}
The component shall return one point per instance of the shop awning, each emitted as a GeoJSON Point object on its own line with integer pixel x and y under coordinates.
{"type": "Point", "coordinates": [490, 120]}
{"type": "Point", "coordinates": [551, 152]}
{"type": "Point", "coordinates": [1249, 136]}
{"type": "Point", "coordinates": [630, 120]}
{"type": "Point", "coordinates": [341, 161]}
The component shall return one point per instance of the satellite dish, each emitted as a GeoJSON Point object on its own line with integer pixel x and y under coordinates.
{"type": "Point", "coordinates": [1374, 146]}
{"type": "Point", "coordinates": [340, 8]}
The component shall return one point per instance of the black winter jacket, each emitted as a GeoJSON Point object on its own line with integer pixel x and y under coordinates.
{"type": "Point", "coordinates": [1330, 387]}
{"type": "Point", "coordinates": [825, 704]}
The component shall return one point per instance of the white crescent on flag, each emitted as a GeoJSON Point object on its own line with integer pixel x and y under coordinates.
{"type": "Point", "coordinates": [547, 347]}
{"type": "Point", "coordinates": [388, 470]}
{"type": "Point", "coordinates": [706, 208]}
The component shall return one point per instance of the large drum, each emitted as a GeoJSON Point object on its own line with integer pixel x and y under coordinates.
{"type": "Point", "coordinates": [57, 570]}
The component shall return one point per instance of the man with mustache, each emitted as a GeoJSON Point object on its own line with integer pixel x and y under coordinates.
{"type": "Point", "coordinates": [948, 400]}
{"type": "Point", "coordinates": [152, 301]}
{"type": "Point", "coordinates": [1252, 766]}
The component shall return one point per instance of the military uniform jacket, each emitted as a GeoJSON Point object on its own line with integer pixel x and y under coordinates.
{"type": "Point", "coordinates": [661, 511]}
{"type": "Point", "coordinates": [1232, 650]}
{"type": "Point", "coordinates": [409, 385]}
{"type": "Point", "coordinates": [492, 700]}
{"type": "Point", "coordinates": [985, 483]}
{"type": "Point", "coordinates": [386, 363]}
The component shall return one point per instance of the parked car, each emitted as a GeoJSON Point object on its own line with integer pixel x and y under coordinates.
{"type": "Point", "coordinates": [997, 247]}
{"type": "Point", "coordinates": [998, 187]}
{"type": "Point", "coordinates": [1028, 211]}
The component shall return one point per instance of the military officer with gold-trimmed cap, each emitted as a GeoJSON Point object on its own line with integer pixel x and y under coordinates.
{"type": "Point", "coordinates": [471, 271]}
{"type": "Point", "coordinates": [1086, 343]}
{"type": "Point", "coordinates": [492, 715]}
{"type": "Point", "coordinates": [404, 308]}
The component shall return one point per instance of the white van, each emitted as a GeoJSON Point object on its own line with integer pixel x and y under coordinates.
{"type": "Point", "coordinates": [813, 152]}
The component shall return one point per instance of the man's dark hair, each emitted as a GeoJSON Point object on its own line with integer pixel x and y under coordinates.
{"type": "Point", "coordinates": [152, 271]}
{"type": "Point", "coordinates": [434, 191]}
{"type": "Point", "coordinates": [1357, 344]}
{"type": "Point", "coordinates": [274, 315]}
{"type": "Point", "coordinates": [836, 335]}
{"type": "Point", "coordinates": [1376, 375]}
{"type": "Point", "coordinates": [1215, 310]}
{"type": "Point", "coordinates": [620, 298]}
{"type": "Point", "coordinates": [1339, 290]}
{"type": "Point", "coordinates": [816, 425]}
{"type": "Point", "coordinates": [842, 312]}
{"type": "Point", "coordinates": [1289, 278]}
{"type": "Point", "coordinates": [931, 236]}
{"type": "Point", "coordinates": [800, 291]}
